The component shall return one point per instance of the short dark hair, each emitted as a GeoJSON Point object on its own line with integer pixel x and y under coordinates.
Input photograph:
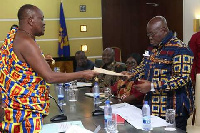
{"type": "Point", "coordinates": [22, 12]}
{"type": "Point", "coordinates": [80, 52]}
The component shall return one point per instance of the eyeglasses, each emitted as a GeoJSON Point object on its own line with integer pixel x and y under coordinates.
{"type": "Point", "coordinates": [152, 34]}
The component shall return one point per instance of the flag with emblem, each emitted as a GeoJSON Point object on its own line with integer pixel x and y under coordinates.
{"type": "Point", "coordinates": [63, 42]}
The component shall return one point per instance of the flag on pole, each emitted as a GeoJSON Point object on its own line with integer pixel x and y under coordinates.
{"type": "Point", "coordinates": [63, 41]}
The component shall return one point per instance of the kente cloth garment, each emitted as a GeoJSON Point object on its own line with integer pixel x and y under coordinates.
{"type": "Point", "coordinates": [195, 47]}
{"type": "Point", "coordinates": [109, 80]}
{"type": "Point", "coordinates": [123, 89]}
{"type": "Point", "coordinates": [24, 92]}
{"type": "Point", "coordinates": [168, 67]}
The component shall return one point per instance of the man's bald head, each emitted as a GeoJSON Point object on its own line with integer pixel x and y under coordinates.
{"type": "Point", "coordinates": [157, 30]}
{"type": "Point", "coordinates": [31, 20]}
{"type": "Point", "coordinates": [26, 11]}
{"type": "Point", "coordinates": [108, 56]}
{"type": "Point", "coordinates": [158, 22]}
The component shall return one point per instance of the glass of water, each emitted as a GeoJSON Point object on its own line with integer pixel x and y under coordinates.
{"type": "Point", "coordinates": [72, 94]}
{"type": "Point", "coordinates": [170, 119]}
{"type": "Point", "coordinates": [74, 84]}
{"type": "Point", "coordinates": [107, 92]}
{"type": "Point", "coordinates": [112, 124]}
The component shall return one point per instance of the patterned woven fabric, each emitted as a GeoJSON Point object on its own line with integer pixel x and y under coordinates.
{"type": "Point", "coordinates": [168, 68]}
{"type": "Point", "coordinates": [24, 92]}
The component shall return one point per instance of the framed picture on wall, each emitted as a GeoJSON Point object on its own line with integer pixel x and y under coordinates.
{"type": "Point", "coordinates": [82, 8]}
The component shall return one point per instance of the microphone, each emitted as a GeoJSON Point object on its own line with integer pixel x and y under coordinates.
{"type": "Point", "coordinates": [60, 117]}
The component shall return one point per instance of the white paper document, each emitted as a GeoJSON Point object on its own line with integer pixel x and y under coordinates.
{"type": "Point", "coordinates": [133, 115]}
{"type": "Point", "coordinates": [83, 84]}
{"type": "Point", "coordinates": [104, 71]}
{"type": "Point", "coordinates": [102, 95]}
{"type": "Point", "coordinates": [68, 127]}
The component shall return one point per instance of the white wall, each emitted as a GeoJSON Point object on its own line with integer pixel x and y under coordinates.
{"type": "Point", "coordinates": [191, 10]}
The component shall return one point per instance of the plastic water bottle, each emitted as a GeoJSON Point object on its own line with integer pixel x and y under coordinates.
{"type": "Point", "coordinates": [61, 96]}
{"type": "Point", "coordinates": [146, 117]}
{"type": "Point", "coordinates": [96, 95]}
{"type": "Point", "coordinates": [107, 112]}
{"type": "Point", "coordinates": [66, 86]}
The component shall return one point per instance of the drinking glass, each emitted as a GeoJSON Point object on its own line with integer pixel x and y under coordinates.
{"type": "Point", "coordinates": [72, 94]}
{"type": "Point", "coordinates": [170, 119]}
{"type": "Point", "coordinates": [107, 92]}
{"type": "Point", "coordinates": [112, 124]}
{"type": "Point", "coordinates": [72, 106]}
{"type": "Point", "coordinates": [74, 84]}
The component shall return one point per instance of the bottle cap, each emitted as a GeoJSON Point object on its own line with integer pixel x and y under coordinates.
{"type": "Point", "coordinates": [145, 102]}
{"type": "Point", "coordinates": [67, 84]}
{"type": "Point", "coordinates": [107, 102]}
{"type": "Point", "coordinates": [95, 83]}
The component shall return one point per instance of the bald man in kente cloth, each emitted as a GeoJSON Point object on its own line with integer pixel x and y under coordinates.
{"type": "Point", "coordinates": [24, 74]}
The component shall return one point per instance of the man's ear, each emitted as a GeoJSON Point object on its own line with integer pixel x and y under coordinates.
{"type": "Point", "coordinates": [30, 21]}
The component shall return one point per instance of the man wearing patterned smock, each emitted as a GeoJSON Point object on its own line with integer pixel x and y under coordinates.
{"type": "Point", "coordinates": [24, 74]}
{"type": "Point", "coordinates": [166, 71]}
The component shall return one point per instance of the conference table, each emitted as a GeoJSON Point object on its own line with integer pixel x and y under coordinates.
{"type": "Point", "coordinates": [82, 109]}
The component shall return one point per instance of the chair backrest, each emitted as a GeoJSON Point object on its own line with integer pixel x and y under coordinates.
{"type": "Point", "coordinates": [117, 54]}
{"type": "Point", "coordinates": [197, 100]}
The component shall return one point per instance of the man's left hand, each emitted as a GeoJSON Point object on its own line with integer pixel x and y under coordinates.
{"type": "Point", "coordinates": [143, 86]}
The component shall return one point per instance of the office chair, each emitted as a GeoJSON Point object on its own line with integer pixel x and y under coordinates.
{"type": "Point", "coordinates": [117, 54]}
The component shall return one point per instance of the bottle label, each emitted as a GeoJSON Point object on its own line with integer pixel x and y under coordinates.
{"type": "Point", "coordinates": [106, 118]}
{"type": "Point", "coordinates": [147, 120]}
{"type": "Point", "coordinates": [96, 95]}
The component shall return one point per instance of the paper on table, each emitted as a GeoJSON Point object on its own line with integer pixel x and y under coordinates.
{"type": "Point", "coordinates": [83, 84]}
{"type": "Point", "coordinates": [77, 129]}
{"type": "Point", "coordinates": [102, 95]}
{"type": "Point", "coordinates": [59, 127]}
{"type": "Point", "coordinates": [100, 70]}
{"type": "Point", "coordinates": [134, 115]}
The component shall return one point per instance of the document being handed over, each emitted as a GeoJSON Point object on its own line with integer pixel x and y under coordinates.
{"type": "Point", "coordinates": [100, 70]}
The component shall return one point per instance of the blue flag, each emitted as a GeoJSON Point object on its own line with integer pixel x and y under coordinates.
{"type": "Point", "coordinates": [63, 42]}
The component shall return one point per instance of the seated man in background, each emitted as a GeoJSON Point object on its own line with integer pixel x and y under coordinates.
{"type": "Point", "coordinates": [82, 62]}
{"type": "Point", "coordinates": [125, 89]}
{"type": "Point", "coordinates": [109, 63]}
